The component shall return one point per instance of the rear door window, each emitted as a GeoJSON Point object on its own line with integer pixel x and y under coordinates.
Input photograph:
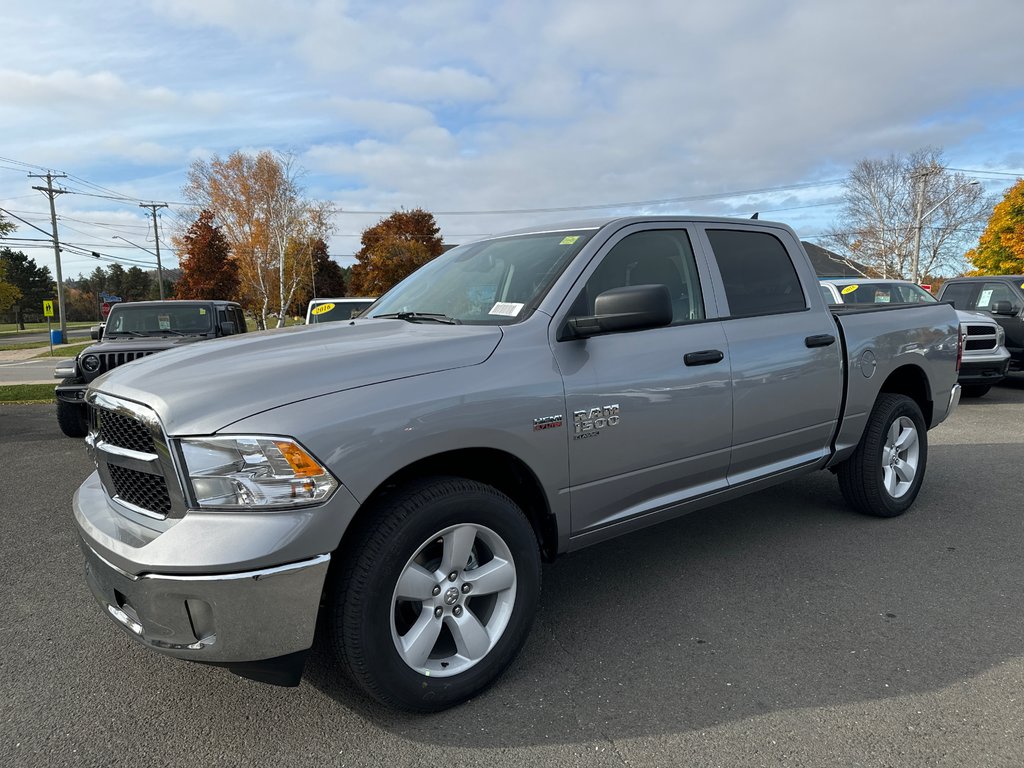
{"type": "Point", "coordinates": [758, 274]}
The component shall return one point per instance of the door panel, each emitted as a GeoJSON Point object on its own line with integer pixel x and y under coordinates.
{"type": "Point", "coordinates": [646, 429]}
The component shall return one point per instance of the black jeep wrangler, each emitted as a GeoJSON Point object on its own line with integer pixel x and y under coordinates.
{"type": "Point", "coordinates": [133, 330]}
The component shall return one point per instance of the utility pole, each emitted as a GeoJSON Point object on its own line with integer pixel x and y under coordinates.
{"type": "Point", "coordinates": [156, 236]}
{"type": "Point", "coordinates": [52, 194]}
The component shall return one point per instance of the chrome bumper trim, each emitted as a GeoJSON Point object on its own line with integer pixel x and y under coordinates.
{"type": "Point", "coordinates": [235, 617]}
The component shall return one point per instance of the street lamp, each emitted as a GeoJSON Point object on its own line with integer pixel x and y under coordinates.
{"type": "Point", "coordinates": [922, 216]}
{"type": "Point", "coordinates": [159, 269]}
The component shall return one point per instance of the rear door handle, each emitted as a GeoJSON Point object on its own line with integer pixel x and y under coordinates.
{"type": "Point", "coordinates": [704, 357]}
{"type": "Point", "coordinates": [820, 340]}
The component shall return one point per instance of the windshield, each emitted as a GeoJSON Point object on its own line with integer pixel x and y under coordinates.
{"type": "Point", "coordinates": [884, 293]}
{"type": "Point", "coordinates": [329, 310]}
{"type": "Point", "coordinates": [493, 282]}
{"type": "Point", "coordinates": [146, 320]}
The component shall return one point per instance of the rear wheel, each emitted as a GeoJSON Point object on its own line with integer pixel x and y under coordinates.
{"type": "Point", "coordinates": [72, 417]}
{"type": "Point", "coordinates": [437, 595]}
{"type": "Point", "coordinates": [975, 390]}
{"type": "Point", "coordinates": [883, 476]}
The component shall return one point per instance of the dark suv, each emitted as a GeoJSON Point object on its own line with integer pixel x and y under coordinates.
{"type": "Point", "coordinates": [1001, 296]}
{"type": "Point", "coordinates": [133, 330]}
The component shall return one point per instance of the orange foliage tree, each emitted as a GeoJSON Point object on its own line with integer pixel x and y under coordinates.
{"type": "Point", "coordinates": [207, 269]}
{"type": "Point", "coordinates": [394, 248]}
{"type": "Point", "coordinates": [1000, 248]}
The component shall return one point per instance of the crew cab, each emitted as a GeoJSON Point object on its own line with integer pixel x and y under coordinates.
{"type": "Point", "coordinates": [985, 357]}
{"type": "Point", "coordinates": [516, 398]}
{"type": "Point", "coordinates": [134, 330]}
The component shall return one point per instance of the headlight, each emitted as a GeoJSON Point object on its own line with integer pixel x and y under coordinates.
{"type": "Point", "coordinates": [254, 472]}
{"type": "Point", "coordinates": [90, 363]}
{"type": "Point", "coordinates": [1000, 335]}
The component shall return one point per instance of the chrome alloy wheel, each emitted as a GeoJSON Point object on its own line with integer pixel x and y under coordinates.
{"type": "Point", "coordinates": [900, 456]}
{"type": "Point", "coordinates": [453, 600]}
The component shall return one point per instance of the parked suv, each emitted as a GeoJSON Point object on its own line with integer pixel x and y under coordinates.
{"type": "Point", "coordinates": [985, 356]}
{"type": "Point", "coordinates": [133, 330]}
{"type": "Point", "coordinates": [999, 296]}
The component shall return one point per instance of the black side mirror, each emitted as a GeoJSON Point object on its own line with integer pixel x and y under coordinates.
{"type": "Point", "coordinates": [631, 308]}
{"type": "Point", "coordinates": [1002, 308]}
{"type": "Point", "coordinates": [227, 328]}
{"type": "Point", "coordinates": [95, 332]}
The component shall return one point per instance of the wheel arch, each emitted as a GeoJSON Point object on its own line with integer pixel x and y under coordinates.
{"type": "Point", "coordinates": [490, 466]}
{"type": "Point", "coordinates": [910, 380]}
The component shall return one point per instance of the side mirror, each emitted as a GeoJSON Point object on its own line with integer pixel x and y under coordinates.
{"type": "Point", "coordinates": [631, 308]}
{"type": "Point", "coordinates": [95, 332]}
{"type": "Point", "coordinates": [227, 328]}
{"type": "Point", "coordinates": [1002, 308]}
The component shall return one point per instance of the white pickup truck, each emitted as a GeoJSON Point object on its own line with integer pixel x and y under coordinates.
{"type": "Point", "coordinates": [403, 474]}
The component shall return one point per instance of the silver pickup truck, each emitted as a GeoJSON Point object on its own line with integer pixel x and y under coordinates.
{"type": "Point", "coordinates": [402, 475]}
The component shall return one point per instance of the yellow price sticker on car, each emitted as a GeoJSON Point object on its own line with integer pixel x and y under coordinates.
{"type": "Point", "coordinates": [569, 239]}
{"type": "Point", "coordinates": [849, 289]}
{"type": "Point", "coordinates": [322, 308]}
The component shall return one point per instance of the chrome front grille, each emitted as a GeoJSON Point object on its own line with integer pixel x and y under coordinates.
{"type": "Point", "coordinates": [132, 457]}
{"type": "Point", "coordinates": [981, 337]}
{"type": "Point", "coordinates": [142, 490]}
{"type": "Point", "coordinates": [125, 432]}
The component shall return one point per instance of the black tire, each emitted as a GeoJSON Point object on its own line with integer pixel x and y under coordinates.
{"type": "Point", "coordinates": [408, 534]}
{"type": "Point", "coordinates": [73, 418]}
{"type": "Point", "coordinates": [975, 390]}
{"type": "Point", "coordinates": [863, 479]}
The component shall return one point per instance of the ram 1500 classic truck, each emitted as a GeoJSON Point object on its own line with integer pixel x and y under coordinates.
{"type": "Point", "coordinates": [402, 475]}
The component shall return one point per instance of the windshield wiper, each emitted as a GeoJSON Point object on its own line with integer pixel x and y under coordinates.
{"type": "Point", "coordinates": [422, 317]}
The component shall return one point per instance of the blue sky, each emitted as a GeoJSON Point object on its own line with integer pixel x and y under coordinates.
{"type": "Point", "coordinates": [465, 107]}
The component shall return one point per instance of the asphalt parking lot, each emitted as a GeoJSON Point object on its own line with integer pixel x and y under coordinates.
{"type": "Point", "coordinates": [780, 629]}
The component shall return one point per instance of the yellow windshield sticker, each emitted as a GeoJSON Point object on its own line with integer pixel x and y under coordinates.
{"type": "Point", "coordinates": [202, 311]}
{"type": "Point", "coordinates": [322, 308]}
{"type": "Point", "coordinates": [569, 239]}
{"type": "Point", "coordinates": [849, 289]}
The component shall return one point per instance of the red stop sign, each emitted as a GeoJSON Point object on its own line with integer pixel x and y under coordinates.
{"type": "Point", "coordinates": [105, 309]}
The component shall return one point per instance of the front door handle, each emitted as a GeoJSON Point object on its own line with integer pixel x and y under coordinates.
{"type": "Point", "coordinates": [704, 357]}
{"type": "Point", "coordinates": [820, 340]}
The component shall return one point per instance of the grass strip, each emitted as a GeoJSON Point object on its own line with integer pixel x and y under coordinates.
{"type": "Point", "coordinates": [27, 393]}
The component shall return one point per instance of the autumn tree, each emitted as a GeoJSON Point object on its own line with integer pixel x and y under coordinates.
{"type": "Point", "coordinates": [207, 269]}
{"type": "Point", "coordinates": [881, 203]}
{"type": "Point", "coordinates": [1000, 249]}
{"type": "Point", "coordinates": [269, 225]}
{"type": "Point", "coordinates": [394, 248]}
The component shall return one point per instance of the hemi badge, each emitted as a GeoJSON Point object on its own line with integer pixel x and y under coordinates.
{"type": "Point", "coordinates": [547, 422]}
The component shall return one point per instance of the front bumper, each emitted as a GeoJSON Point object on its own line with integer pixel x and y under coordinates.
{"type": "Point", "coordinates": [983, 372]}
{"type": "Point", "coordinates": [71, 393]}
{"type": "Point", "coordinates": [224, 619]}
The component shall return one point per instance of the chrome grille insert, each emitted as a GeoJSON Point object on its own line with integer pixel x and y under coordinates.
{"type": "Point", "coordinates": [135, 464]}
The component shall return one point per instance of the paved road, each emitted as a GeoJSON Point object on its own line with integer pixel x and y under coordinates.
{"type": "Point", "coordinates": [776, 630]}
{"type": "Point", "coordinates": [75, 335]}
{"type": "Point", "coordinates": [30, 371]}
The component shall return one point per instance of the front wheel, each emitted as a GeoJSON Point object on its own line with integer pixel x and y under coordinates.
{"type": "Point", "coordinates": [436, 595]}
{"type": "Point", "coordinates": [72, 418]}
{"type": "Point", "coordinates": [883, 476]}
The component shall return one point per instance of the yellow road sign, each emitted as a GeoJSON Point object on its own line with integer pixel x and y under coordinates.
{"type": "Point", "coordinates": [48, 309]}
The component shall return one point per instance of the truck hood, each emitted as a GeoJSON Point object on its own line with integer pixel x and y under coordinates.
{"type": "Point", "coordinates": [203, 388]}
